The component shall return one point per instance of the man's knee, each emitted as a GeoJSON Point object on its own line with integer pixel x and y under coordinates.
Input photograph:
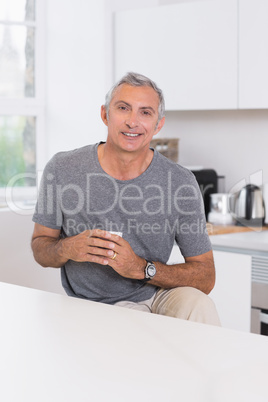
{"type": "Point", "coordinates": [186, 303]}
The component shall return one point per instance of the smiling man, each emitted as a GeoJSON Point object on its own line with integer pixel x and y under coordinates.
{"type": "Point", "coordinates": [132, 120]}
{"type": "Point", "coordinates": [108, 215]}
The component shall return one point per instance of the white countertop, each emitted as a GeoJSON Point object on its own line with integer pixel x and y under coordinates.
{"type": "Point", "coordinates": [255, 241]}
{"type": "Point", "coordinates": [57, 348]}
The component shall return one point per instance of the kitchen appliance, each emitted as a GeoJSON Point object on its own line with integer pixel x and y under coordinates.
{"type": "Point", "coordinates": [247, 206]}
{"type": "Point", "coordinates": [219, 209]}
{"type": "Point", "coordinates": [208, 184]}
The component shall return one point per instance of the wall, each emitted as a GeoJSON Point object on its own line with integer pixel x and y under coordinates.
{"type": "Point", "coordinates": [234, 143]}
{"type": "Point", "coordinates": [75, 87]}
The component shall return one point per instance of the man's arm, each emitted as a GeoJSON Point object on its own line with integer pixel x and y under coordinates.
{"type": "Point", "coordinates": [197, 272]}
{"type": "Point", "coordinates": [45, 245]}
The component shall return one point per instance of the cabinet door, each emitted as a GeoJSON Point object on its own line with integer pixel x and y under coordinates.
{"type": "Point", "coordinates": [253, 54]}
{"type": "Point", "coordinates": [189, 49]}
{"type": "Point", "coordinates": [232, 292]}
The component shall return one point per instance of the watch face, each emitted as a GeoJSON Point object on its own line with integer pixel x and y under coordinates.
{"type": "Point", "coordinates": [151, 270]}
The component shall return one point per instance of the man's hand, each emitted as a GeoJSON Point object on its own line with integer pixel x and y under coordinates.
{"type": "Point", "coordinates": [104, 248]}
{"type": "Point", "coordinates": [95, 245]}
{"type": "Point", "coordinates": [89, 246]}
{"type": "Point", "coordinates": [125, 262]}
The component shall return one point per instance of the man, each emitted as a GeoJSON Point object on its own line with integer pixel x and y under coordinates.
{"type": "Point", "coordinates": [108, 214]}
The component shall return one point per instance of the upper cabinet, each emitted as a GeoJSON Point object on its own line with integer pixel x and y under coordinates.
{"type": "Point", "coordinates": [210, 54]}
{"type": "Point", "coordinates": [253, 54]}
{"type": "Point", "coordinates": [189, 49]}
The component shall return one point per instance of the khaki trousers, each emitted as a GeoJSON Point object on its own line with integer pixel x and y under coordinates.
{"type": "Point", "coordinates": [183, 302]}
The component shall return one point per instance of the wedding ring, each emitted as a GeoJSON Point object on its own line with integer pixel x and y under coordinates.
{"type": "Point", "coordinates": [115, 254]}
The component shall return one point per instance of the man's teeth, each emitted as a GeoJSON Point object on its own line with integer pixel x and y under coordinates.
{"type": "Point", "coordinates": [131, 135]}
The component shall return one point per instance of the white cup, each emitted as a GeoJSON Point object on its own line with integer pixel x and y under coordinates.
{"type": "Point", "coordinates": [117, 233]}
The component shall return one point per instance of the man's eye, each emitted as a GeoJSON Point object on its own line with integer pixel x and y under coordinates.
{"type": "Point", "coordinates": [146, 113]}
{"type": "Point", "coordinates": [122, 108]}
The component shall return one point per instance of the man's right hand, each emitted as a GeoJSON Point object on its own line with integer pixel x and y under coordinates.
{"type": "Point", "coordinates": [89, 246]}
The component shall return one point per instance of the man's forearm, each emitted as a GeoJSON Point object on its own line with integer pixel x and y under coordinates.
{"type": "Point", "coordinates": [47, 252]}
{"type": "Point", "coordinates": [198, 275]}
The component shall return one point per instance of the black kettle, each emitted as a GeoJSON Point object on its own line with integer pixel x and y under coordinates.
{"type": "Point", "coordinates": [247, 206]}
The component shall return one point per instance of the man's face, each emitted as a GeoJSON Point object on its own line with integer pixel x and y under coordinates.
{"type": "Point", "coordinates": [133, 116]}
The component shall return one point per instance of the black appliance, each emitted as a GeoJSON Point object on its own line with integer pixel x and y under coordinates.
{"type": "Point", "coordinates": [208, 184]}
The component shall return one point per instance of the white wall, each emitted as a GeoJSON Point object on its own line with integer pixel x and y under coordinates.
{"type": "Point", "coordinates": [75, 82]}
{"type": "Point", "coordinates": [234, 143]}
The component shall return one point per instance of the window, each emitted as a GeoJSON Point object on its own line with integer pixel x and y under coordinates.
{"type": "Point", "coordinates": [21, 98]}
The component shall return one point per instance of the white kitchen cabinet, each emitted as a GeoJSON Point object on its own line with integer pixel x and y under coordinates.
{"type": "Point", "coordinates": [232, 292]}
{"type": "Point", "coordinates": [253, 54]}
{"type": "Point", "coordinates": [189, 49]}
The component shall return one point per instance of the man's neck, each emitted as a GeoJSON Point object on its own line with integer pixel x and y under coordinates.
{"type": "Point", "coordinates": [123, 165]}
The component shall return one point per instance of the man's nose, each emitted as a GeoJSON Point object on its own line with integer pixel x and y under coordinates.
{"type": "Point", "coordinates": [132, 120]}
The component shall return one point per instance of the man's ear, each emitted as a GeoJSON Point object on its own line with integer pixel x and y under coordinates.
{"type": "Point", "coordinates": [160, 125]}
{"type": "Point", "coordinates": [104, 116]}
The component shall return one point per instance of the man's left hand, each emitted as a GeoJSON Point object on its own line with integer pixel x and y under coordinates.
{"type": "Point", "coordinates": [126, 263]}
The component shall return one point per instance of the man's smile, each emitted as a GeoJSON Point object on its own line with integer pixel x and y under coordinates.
{"type": "Point", "coordinates": [131, 134]}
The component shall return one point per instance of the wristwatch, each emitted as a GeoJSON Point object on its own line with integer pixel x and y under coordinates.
{"type": "Point", "coordinates": [149, 270]}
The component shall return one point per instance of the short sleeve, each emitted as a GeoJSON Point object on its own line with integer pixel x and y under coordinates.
{"type": "Point", "coordinates": [48, 210]}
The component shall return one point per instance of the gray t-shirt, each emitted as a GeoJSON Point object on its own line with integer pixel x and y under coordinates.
{"type": "Point", "coordinates": [162, 205]}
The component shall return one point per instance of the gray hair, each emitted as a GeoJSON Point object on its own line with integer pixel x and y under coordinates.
{"type": "Point", "coordinates": [137, 80]}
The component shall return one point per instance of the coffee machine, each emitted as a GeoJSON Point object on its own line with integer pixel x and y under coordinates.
{"type": "Point", "coordinates": [207, 180]}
